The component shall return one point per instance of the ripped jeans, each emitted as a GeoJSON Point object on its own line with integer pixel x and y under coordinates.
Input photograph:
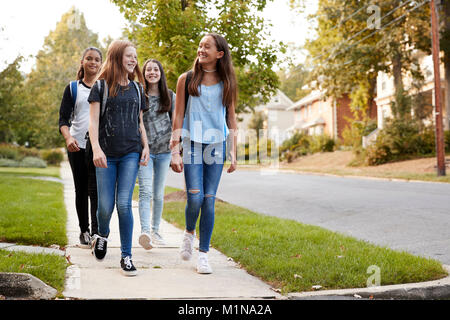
{"type": "Point", "coordinates": [203, 164]}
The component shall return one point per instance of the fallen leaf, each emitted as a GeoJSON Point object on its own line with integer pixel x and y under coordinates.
{"type": "Point", "coordinates": [245, 248]}
{"type": "Point", "coordinates": [21, 266]}
{"type": "Point", "coordinates": [371, 297]}
{"type": "Point", "coordinates": [68, 259]}
{"type": "Point", "coordinates": [298, 256]}
{"type": "Point", "coordinates": [297, 276]}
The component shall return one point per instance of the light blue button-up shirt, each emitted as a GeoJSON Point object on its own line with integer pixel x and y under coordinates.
{"type": "Point", "coordinates": [205, 121]}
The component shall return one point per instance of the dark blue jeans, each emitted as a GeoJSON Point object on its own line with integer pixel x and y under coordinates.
{"type": "Point", "coordinates": [203, 164]}
{"type": "Point", "coordinates": [115, 186]}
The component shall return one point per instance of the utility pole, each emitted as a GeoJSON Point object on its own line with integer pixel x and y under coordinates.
{"type": "Point", "coordinates": [440, 152]}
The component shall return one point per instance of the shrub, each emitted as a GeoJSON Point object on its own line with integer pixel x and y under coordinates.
{"type": "Point", "coordinates": [322, 143]}
{"type": "Point", "coordinates": [378, 153]}
{"type": "Point", "coordinates": [33, 162]}
{"type": "Point", "coordinates": [9, 151]}
{"type": "Point", "coordinates": [400, 139]}
{"type": "Point", "coordinates": [53, 157]}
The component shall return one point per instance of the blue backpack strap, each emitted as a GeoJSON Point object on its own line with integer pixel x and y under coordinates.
{"type": "Point", "coordinates": [73, 91]}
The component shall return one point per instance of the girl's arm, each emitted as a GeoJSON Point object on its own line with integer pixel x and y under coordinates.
{"type": "Point", "coordinates": [232, 126]}
{"type": "Point", "coordinates": [65, 112]}
{"type": "Point", "coordinates": [99, 157]}
{"type": "Point", "coordinates": [145, 157]}
{"type": "Point", "coordinates": [177, 124]}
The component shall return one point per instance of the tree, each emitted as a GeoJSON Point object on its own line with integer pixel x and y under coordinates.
{"type": "Point", "coordinates": [170, 30]}
{"type": "Point", "coordinates": [57, 64]}
{"type": "Point", "coordinates": [357, 39]}
{"type": "Point", "coordinates": [292, 81]}
{"type": "Point", "coordinates": [11, 102]}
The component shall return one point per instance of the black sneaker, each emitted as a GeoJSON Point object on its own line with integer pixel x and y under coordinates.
{"type": "Point", "coordinates": [128, 268]}
{"type": "Point", "coordinates": [85, 240]}
{"type": "Point", "coordinates": [99, 245]}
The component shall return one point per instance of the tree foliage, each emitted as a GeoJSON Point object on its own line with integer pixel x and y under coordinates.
{"type": "Point", "coordinates": [170, 30]}
{"type": "Point", "coordinates": [292, 81]}
{"type": "Point", "coordinates": [11, 102]}
{"type": "Point", "coordinates": [358, 38]}
{"type": "Point", "coordinates": [57, 64]}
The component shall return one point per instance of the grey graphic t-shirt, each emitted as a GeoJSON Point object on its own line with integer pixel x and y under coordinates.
{"type": "Point", "coordinates": [158, 126]}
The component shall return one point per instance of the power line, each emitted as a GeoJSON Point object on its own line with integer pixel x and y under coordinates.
{"type": "Point", "coordinates": [333, 55]}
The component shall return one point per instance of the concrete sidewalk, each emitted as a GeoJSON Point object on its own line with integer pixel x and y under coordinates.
{"type": "Point", "coordinates": [161, 272]}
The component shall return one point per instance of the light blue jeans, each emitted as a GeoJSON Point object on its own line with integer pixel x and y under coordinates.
{"type": "Point", "coordinates": [203, 164]}
{"type": "Point", "coordinates": [152, 180]}
{"type": "Point", "coordinates": [115, 186]}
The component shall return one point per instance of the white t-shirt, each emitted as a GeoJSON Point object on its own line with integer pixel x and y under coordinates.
{"type": "Point", "coordinates": [80, 122]}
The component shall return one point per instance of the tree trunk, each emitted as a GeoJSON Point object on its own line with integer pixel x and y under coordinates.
{"type": "Point", "coordinates": [397, 71]}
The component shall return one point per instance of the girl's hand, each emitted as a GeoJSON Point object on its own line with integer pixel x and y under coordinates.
{"type": "Point", "coordinates": [174, 140]}
{"type": "Point", "coordinates": [100, 159]}
{"type": "Point", "coordinates": [176, 163]}
{"type": "Point", "coordinates": [145, 157]}
{"type": "Point", "coordinates": [72, 144]}
{"type": "Point", "coordinates": [233, 165]}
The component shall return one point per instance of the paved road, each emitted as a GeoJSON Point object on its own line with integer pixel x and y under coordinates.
{"type": "Point", "coordinates": [411, 216]}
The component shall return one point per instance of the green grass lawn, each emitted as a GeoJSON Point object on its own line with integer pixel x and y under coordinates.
{"type": "Point", "coordinates": [49, 171]}
{"type": "Point", "coordinates": [294, 256]}
{"type": "Point", "coordinates": [32, 212]}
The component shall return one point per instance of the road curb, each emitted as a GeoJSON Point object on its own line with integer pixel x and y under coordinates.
{"type": "Point", "coordinates": [24, 286]}
{"type": "Point", "coordinates": [429, 290]}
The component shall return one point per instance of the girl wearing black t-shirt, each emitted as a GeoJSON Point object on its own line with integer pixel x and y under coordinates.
{"type": "Point", "coordinates": [73, 125]}
{"type": "Point", "coordinates": [119, 144]}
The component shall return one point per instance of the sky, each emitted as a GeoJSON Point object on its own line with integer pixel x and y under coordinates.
{"type": "Point", "coordinates": [25, 23]}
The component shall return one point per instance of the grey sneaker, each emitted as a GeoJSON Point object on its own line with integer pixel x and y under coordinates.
{"type": "Point", "coordinates": [145, 241]}
{"type": "Point", "coordinates": [187, 247]}
{"type": "Point", "coordinates": [85, 240]}
{"type": "Point", "coordinates": [157, 239]}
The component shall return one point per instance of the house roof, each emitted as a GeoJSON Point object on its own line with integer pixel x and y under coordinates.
{"type": "Point", "coordinates": [313, 96]}
{"type": "Point", "coordinates": [283, 102]}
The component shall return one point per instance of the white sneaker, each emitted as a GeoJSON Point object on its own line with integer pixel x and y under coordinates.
{"type": "Point", "coordinates": [157, 239]}
{"type": "Point", "coordinates": [203, 266]}
{"type": "Point", "coordinates": [187, 247]}
{"type": "Point", "coordinates": [145, 241]}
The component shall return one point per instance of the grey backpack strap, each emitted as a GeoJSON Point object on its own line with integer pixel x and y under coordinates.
{"type": "Point", "coordinates": [105, 96]}
{"type": "Point", "coordinates": [138, 88]}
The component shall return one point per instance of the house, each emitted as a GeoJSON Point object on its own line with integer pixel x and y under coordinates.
{"type": "Point", "coordinates": [316, 114]}
{"type": "Point", "coordinates": [386, 91]}
{"type": "Point", "coordinates": [278, 118]}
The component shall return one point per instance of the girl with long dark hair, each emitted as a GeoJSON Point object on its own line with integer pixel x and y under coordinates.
{"type": "Point", "coordinates": [204, 122]}
{"type": "Point", "coordinates": [73, 125]}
